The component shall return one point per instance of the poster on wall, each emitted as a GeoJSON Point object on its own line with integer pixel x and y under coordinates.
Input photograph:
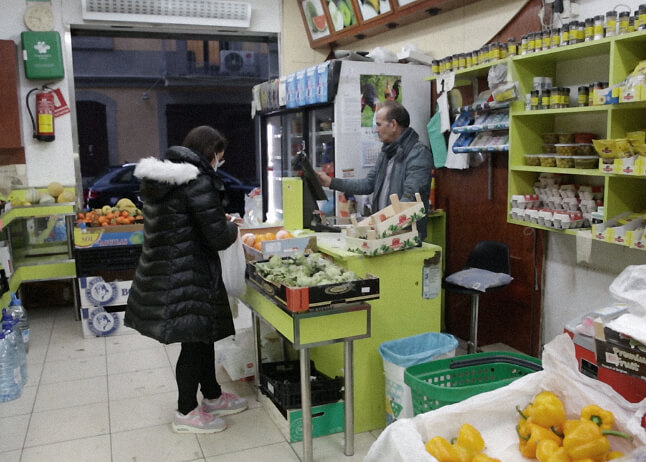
{"type": "Point", "coordinates": [341, 14]}
{"type": "Point", "coordinates": [314, 18]}
{"type": "Point", "coordinates": [375, 89]}
{"type": "Point", "coordinates": [372, 8]}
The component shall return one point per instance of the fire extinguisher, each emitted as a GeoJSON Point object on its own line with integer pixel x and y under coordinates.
{"type": "Point", "coordinates": [43, 125]}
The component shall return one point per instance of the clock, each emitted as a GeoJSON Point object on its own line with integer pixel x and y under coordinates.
{"type": "Point", "coordinates": [39, 17]}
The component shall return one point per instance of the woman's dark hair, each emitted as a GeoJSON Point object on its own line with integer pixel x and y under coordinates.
{"type": "Point", "coordinates": [206, 141]}
{"type": "Point", "coordinates": [396, 111]}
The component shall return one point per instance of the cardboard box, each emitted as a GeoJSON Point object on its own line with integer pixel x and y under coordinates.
{"type": "Point", "coordinates": [95, 291]}
{"type": "Point", "coordinates": [620, 353]}
{"type": "Point", "coordinates": [394, 218]}
{"type": "Point", "coordinates": [108, 236]}
{"type": "Point", "coordinates": [326, 419]}
{"type": "Point", "coordinates": [631, 388]}
{"type": "Point", "coordinates": [635, 165]}
{"type": "Point", "coordinates": [297, 299]}
{"type": "Point", "coordinates": [280, 247]}
{"type": "Point", "coordinates": [614, 232]}
{"type": "Point", "coordinates": [373, 247]}
{"type": "Point", "coordinates": [99, 321]}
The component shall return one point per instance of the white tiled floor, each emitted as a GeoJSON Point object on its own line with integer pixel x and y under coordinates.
{"type": "Point", "coordinates": [112, 399]}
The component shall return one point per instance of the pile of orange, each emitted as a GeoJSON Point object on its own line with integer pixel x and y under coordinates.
{"type": "Point", "coordinates": [255, 240]}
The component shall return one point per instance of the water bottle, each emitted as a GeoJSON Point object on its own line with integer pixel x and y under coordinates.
{"type": "Point", "coordinates": [10, 387]}
{"type": "Point", "coordinates": [20, 313]}
{"type": "Point", "coordinates": [14, 338]}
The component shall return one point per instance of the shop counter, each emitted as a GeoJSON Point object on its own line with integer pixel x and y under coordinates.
{"type": "Point", "coordinates": [401, 311]}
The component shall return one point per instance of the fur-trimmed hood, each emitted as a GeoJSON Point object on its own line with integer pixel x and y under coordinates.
{"type": "Point", "coordinates": [180, 166]}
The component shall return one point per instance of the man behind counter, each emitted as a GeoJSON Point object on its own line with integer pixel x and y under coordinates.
{"type": "Point", "coordinates": [403, 166]}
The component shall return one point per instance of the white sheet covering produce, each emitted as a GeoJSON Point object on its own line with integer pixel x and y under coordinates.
{"type": "Point", "coordinates": [494, 414]}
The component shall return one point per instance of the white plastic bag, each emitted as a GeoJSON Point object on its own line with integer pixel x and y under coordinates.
{"type": "Point", "coordinates": [493, 413]}
{"type": "Point", "coordinates": [233, 268]}
{"type": "Point", "coordinates": [630, 287]}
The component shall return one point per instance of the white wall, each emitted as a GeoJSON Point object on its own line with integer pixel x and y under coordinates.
{"type": "Point", "coordinates": [54, 161]}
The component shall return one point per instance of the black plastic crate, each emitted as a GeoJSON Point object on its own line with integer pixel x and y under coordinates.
{"type": "Point", "coordinates": [115, 258]}
{"type": "Point", "coordinates": [281, 381]}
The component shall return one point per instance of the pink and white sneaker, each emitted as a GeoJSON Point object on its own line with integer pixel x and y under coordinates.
{"type": "Point", "coordinates": [198, 421]}
{"type": "Point", "coordinates": [226, 404]}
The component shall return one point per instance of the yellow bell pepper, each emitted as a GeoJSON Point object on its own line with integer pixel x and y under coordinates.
{"type": "Point", "coordinates": [547, 410]}
{"type": "Point", "coordinates": [469, 437]}
{"type": "Point", "coordinates": [550, 451]}
{"type": "Point", "coordinates": [598, 415]}
{"type": "Point", "coordinates": [536, 433]}
{"type": "Point", "coordinates": [583, 439]}
{"type": "Point", "coordinates": [483, 458]}
{"type": "Point", "coordinates": [614, 455]}
{"type": "Point", "coordinates": [444, 451]}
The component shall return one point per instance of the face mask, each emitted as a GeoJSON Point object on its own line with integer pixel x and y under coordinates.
{"type": "Point", "coordinates": [219, 164]}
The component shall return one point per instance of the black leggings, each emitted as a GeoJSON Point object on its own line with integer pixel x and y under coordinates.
{"type": "Point", "coordinates": [195, 366]}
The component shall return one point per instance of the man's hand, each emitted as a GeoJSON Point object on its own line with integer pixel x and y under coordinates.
{"type": "Point", "coordinates": [324, 179]}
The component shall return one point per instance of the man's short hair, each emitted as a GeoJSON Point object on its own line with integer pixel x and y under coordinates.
{"type": "Point", "coordinates": [396, 111]}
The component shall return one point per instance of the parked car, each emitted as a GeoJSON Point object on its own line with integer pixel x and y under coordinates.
{"type": "Point", "coordinates": [119, 182]}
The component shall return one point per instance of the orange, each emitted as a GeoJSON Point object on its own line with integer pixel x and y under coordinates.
{"type": "Point", "coordinates": [283, 234]}
{"type": "Point", "coordinates": [270, 237]}
{"type": "Point", "coordinates": [257, 245]}
{"type": "Point", "coordinates": [248, 239]}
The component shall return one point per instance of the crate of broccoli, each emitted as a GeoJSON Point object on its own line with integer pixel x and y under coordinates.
{"type": "Point", "coordinates": [309, 282]}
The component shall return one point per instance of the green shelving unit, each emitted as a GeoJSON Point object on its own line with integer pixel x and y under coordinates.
{"type": "Point", "coordinates": [610, 59]}
{"type": "Point", "coordinates": [37, 261]}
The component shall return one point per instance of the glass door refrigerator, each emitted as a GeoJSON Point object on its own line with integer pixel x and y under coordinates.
{"type": "Point", "coordinates": [338, 133]}
{"type": "Point", "coordinates": [285, 133]}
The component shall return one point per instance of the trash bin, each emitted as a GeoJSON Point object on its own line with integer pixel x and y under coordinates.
{"type": "Point", "coordinates": [401, 353]}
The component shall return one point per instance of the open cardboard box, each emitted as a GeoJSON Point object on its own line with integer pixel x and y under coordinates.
{"type": "Point", "coordinates": [615, 232]}
{"type": "Point", "coordinates": [280, 247]}
{"type": "Point", "coordinates": [396, 217]}
{"type": "Point", "coordinates": [378, 246]}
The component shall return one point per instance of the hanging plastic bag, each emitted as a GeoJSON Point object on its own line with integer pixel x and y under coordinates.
{"type": "Point", "coordinates": [630, 287]}
{"type": "Point", "coordinates": [233, 268]}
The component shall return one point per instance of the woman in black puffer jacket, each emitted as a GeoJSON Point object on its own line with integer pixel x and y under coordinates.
{"type": "Point", "coordinates": [177, 294]}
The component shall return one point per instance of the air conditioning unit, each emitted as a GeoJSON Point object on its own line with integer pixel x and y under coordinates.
{"type": "Point", "coordinates": [242, 63]}
{"type": "Point", "coordinates": [216, 13]}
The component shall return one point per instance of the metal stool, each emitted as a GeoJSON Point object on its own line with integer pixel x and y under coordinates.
{"type": "Point", "coordinates": [488, 255]}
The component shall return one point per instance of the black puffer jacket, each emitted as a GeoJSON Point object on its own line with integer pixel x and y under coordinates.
{"type": "Point", "coordinates": [177, 294]}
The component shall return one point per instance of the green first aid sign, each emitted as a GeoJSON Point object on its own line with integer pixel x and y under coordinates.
{"type": "Point", "coordinates": [42, 55]}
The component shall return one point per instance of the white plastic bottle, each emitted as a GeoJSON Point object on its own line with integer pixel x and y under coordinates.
{"type": "Point", "coordinates": [18, 311]}
{"type": "Point", "coordinates": [10, 387]}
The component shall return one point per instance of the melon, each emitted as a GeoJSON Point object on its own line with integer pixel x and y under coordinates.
{"type": "Point", "coordinates": [54, 188]}
{"type": "Point", "coordinates": [47, 199]}
{"type": "Point", "coordinates": [66, 196]}
{"type": "Point", "coordinates": [32, 195]}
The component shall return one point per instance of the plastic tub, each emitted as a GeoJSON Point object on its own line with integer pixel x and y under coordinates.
{"type": "Point", "coordinates": [585, 150]}
{"type": "Point", "coordinates": [548, 148]}
{"type": "Point", "coordinates": [548, 160]}
{"type": "Point", "coordinates": [401, 353]}
{"type": "Point", "coordinates": [566, 149]}
{"type": "Point", "coordinates": [532, 159]}
{"type": "Point", "coordinates": [550, 138]}
{"type": "Point", "coordinates": [584, 137]}
{"type": "Point", "coordinates": [586, 161]}
{"type": "Point", "coordinates": [565, 138]}
{"type": "Point", "coordinates": [564, 161]}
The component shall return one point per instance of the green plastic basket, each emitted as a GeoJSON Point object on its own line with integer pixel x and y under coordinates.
{"type": "Point", "coordinates": [446, 381]}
